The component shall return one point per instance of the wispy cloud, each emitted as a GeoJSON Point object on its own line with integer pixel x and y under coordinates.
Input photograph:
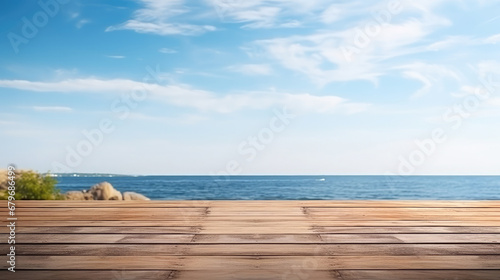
{"type": "Point", "coordinates": [167, 50]}
{"type": "Point", "coordinates": [450, 42]}
{"type": "Point", "coordinates": [462, 41]}
{"type": "Point", "coordinates": [430, 75]}
{"type": "Point", "coordinates": [495, 102]}
{"type": "Point", "coordinates": [356, 53]}
{"type": "Point", "coordinates": [205, 101]}
{"type": "Point", "coordinates": [156, 18]}
{"type": "Point", "coordinates": [81, 23]}
{"type": "Point", "coordinates": [493, 39]}
{"type": "Point", "coordinates": [2, 122]}
{"type": "Point", "coordinates": [267, 13]}
{"type": "Point", "coordinates": [116, 56]}
{"type": "Point", "coordinates": [182, 119]}
{"type": "Point", "coordinates": [492, 19]}
{"type": "Point", "coordinates": [52, 109]}
{"type": "Point", "coordinates": [252, 69]}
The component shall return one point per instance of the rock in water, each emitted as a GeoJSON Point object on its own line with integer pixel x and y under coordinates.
{"type": "Point", "coordinates": [105, 191]}
{"type": "Point", "coordinates": [76, 195]}
{"type": "Point", "coordinates": [134, 196]}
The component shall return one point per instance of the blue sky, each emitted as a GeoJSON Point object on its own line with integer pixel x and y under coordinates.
{"type": "Point", "coordinates": [251, 87]}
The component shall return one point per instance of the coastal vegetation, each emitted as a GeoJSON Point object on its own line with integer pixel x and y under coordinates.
{"type": "Point", "coordinates": [30, 185]}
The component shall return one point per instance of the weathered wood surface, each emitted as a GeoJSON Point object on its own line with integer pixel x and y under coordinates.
{"type": "Point", "coordinates": [220, 240]}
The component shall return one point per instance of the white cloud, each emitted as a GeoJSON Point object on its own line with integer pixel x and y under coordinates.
{"type": "Point", "coordinates": [450, 42]}
{"type": "Point", "coordinates": [493, 18]}
{"type": "Point", "coordinates": [156, 17]}
{"type": "Point", "coordinates": [464, 91]}
{"type": "Point", "coordinates": [81, 23]}
{"type": "Point", "coordinates": [167, 50]}
{"type": "Point", "coordinates": [493, 39]}
{"type": "Point", "coordinates": [291, 24]}
{"type": "Point", "coordinates": [267, 13]}
{"type": "Point", "coordinates": [181, 119]}
{"type": "Point", "coordinates": [52, 109]}
{"type": "Point", "coordinates": [332, 14]}
{"type": "Point", "coordinates": [162, 28]}
{"type": "Point", "coordinates": [72, 85]}
{"type": "Point", "coordinates": [116, 56]}
{"type": "Point", "coordinates": [262, 17]}
{"type": "Point", "coordinates": [429, 75]}
{"type": "Point", "coordinates": [489, 71]}
{"type": "Point", "coordinates": [205, 101]}
{"type": "Point", "coordinates": [318, 57]}
{"type": "Point", "coordinates": [462, 41]}
{"type": "Point", "coordinates": [252, 69]}
{"type": "Point", "coordinates": [487, 79]}
{"type": "Point", "coordinates": [357, 52]}
{"type": "Point", "coordinates": [2, 122]}
{"type": "Point", "coordinates": [494, 102]}
{"type": "Point", "coordinates": [427, 83]}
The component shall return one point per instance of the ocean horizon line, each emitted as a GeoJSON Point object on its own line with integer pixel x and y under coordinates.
{"type": "Point", "coordinates": [270, 175]}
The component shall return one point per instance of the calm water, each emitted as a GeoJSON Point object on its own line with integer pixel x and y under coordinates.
{"type": "Point", "coordinates": [297, 187]}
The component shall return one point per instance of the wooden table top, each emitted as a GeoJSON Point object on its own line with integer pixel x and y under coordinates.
{"type": "Point", "coordinates": [289, 240]}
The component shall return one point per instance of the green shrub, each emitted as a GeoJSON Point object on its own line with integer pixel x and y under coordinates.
{"type": "Point", "coordinates": [34, 186]}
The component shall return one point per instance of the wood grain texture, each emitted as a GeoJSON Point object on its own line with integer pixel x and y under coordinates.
{"type": "Point", "coordinates": [343, 240]}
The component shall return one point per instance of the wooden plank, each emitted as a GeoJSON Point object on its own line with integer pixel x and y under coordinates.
{"type": "Point", "coordinates": [255, 275]}
{"type": "Point", "coordinates": [115, 230]}
{"type": "Point", "coordinates": [85, 275]}
{"type": "Point", "coordinates": [238, 263]}
{"type": "Point", "coordinates": [270, 218]}
{"type": "Point", "coordinates": [404, 210]}
{"type": "Point", "coordinates": [100, 238]}
{"type": "Point", "coordinates": [113, 210]}
{"type": "Point", "coordinates": [411, 238]}
{"type": "Point", "coordinates": [299, 274]}
{"type": "Point", "coordinates": [304, 229]}
{"type": "Point", "coordinates": [404, 222]}
{"type": "Point", "coordinates": [401, 217]}
{"type": "Point", "coordinates": [123, 217]}
{"type": "Point", "coordinates": [256, 203]}
{"type": "Point", "coordinates": [252, 250]}
{"type": "Point", "coordinates": [255, 238]}
{"type": "Point", "coordinates": [425, 229]}
{"type": "Point", "coordinates": [160, 274]}
{"type": "Point", "coordinates": [419, 274]}
{"type": "Point", "coordinates": [300, 228]}
{"type": "Point", "coordinates": [112, 223]}
{"type": "Point", "coordinates": [255, 229]}
{"type": "Point", "coordinates": [256, 222]}
{"type": "Point", "coordinates": [346, 238]}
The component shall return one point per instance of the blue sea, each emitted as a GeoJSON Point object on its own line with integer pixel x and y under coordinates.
{"type": "Point", "coordinates": [295, 187]}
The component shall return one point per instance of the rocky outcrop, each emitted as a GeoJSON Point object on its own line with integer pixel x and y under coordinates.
{"type": "Point", "coordinates": [76, 195]}
{"type": "Point", "coordinates": [103, 191]}
{"type": "Point", "coordinates": [134, 196]}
